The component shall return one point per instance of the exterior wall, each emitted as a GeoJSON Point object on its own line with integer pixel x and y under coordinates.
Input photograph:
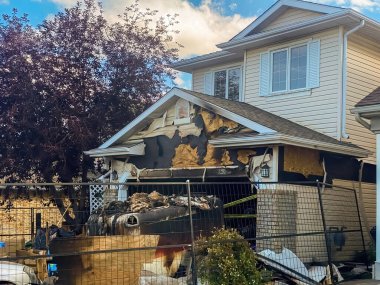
{"type": "Point", "coordinates": [363, 61]}
{"type": "Point", "coordinates": [198, 75]}
{"type": "Point", "coordinates": [291, 16]}
{"type": "Point", "coordinates": [317, 109]}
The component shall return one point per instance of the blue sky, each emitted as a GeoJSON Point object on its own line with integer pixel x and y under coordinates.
{"type": "Point", "coordinates": [203, 23]}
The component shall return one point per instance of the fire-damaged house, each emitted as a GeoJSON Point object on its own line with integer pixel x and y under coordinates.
{"type": "Point", "coordinates": [189, 135]}
{"type": "Point", "coordinates": [272, 106]}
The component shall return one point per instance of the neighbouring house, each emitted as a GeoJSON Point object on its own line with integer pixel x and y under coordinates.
{"type": "Point", "coordinates": [273, 105]}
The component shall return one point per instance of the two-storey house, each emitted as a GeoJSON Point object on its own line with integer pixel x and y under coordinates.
{"type": "Point", "coordinates": [272, 105]}
{"type": "Point", "coordinates": [277, 94]}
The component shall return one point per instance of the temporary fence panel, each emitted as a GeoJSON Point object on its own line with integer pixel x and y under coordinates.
{"type": "Point", "coordinates": [151, 237]}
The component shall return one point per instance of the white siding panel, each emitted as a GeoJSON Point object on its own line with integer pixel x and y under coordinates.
{"type": "Point", "coordinates": [362, 77]}
{"type": "Point", "coordinates": [319, 110]}
{"type": "Point", "coordinates": [291, 16]}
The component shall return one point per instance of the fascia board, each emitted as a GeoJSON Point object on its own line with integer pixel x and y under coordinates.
{"type": "Point", "coordinates": [368, 111]}
{"type": "Point", "coordinates": [225, 113]}
{"type": "Point", "coordinates": [314, 7]}
{"type": "Point", "coordinates": [187, 65]}
{"type": "Point", "coordinates": [290, 140]}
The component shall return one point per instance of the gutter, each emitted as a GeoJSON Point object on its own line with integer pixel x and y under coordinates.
{"type": "Point", "coordinates": [280, 139]}
{"type": "Point", "coordinates": [360, 120]}
{"type": "Point", "coordinates": [343, 133]}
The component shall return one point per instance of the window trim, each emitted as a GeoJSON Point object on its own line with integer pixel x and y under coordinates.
{"type": "Point", "coordinates": [227, 69]}
{"type": "Point", "coordinates": [288, 60]}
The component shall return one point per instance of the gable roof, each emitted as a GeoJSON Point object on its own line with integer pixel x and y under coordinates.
{"type": "Point", "coordinates": [272, 129]}
{"type": "Point", "coordinates": [279, 7]}
{"type": "Point", "coordinates": [371, 99]}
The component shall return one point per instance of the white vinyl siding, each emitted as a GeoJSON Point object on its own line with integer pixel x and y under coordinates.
{"type": "Point", "coordinates": [317, 108]}
{"type": "Point", "coordinates": [291, 16]}
{"type": "Point", "coordinates": [363, 61]}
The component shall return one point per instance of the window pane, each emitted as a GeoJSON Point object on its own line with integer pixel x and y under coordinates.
{"type": "Point", "coordinates": [298, 65]}
{"type": "Point", "coordinates": [233, 84]}
{"type": "Point", "coordinates": [279, 70]}
{"type": "Point", "coordinates": [220, 84]}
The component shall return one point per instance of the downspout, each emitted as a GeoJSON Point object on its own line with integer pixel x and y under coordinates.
{"type": "Point", "coordinates": [344, 79]}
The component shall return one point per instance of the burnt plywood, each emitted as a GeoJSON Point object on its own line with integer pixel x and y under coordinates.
{"type": "Point", "coordinates": [115, 264]}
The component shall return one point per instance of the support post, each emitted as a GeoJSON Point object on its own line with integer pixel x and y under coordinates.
{"type": "Point", "coordinates": [193, 263]}
{"type": "Point", "coordinates": [377, 262]}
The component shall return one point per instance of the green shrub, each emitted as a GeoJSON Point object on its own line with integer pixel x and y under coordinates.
{"type": "Point", "coordinates": [226, 258]}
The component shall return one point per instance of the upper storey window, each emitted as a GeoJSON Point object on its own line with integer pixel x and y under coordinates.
{"type": "Point", "coordinates": [290, 69]}
{"type": "Point", "coordinates": [224, 83]}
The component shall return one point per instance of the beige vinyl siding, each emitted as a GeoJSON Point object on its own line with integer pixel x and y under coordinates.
{"type": "Point", "coordinates": [317, 110]}
{"type": "Point", "coordinates": [363, 62]}
{"type": "Point", "coordinates": [198, 75]}
{"type": "Point", "coordinates": [289, 17]}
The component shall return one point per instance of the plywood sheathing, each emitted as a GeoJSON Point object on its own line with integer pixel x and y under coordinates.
{"type": "Point", "coordinates": [186, 156]}
{"type": "Point", "coordinates": [213, 122]}
{"type": "Point", "coordinates": [302, 160]}
{"type": "Point", "coordinates": [243, 155]}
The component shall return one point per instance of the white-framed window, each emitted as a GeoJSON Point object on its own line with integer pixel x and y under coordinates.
{"type": "Point", "coordinates": [224, 83]}
{"type": "Point", "coordinates": [290, 69]}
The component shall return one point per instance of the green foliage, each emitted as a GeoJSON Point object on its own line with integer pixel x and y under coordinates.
{"type": "Point", "coordinates": [226, 258]}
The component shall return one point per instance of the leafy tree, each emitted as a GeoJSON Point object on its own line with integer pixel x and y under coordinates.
{"type": "Point", "coordinates": [69, 84]}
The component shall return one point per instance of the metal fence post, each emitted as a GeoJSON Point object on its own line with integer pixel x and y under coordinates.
{"type": "Point", "coordinates": [194, 264]}
{"type": "Point", "coordinates": [360, 220]}
{"type": "Point", "coordinates": [327, 239]}
{"type": "Point", "coordinates": [31, 223]}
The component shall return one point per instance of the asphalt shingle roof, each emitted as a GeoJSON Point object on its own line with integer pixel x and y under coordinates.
{"type": "Point", "coordinates": [371, 99]}
{"type": "Point", "coordinates": [268, 119]}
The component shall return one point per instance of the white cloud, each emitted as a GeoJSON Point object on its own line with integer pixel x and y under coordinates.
{"type": "Point", "coordinates": [4, 2]}
{"type": "Point", "coordinates": [359, 5]}
{"type": "Point", "coordinates": [64, 3]}
{"type": "Point", "coordinates": [201, 27]}
{"type": "Point", "coordinates": [178, 80]}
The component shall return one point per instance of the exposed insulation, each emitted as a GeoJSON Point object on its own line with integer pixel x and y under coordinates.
{"type": "Point", "coordinates": [214, 122]}
{"type": "Point", "coordinates": [226, 159]}
{"type": "Point", "coordinates": [210, 159]}
{"type": "Point", "coordinates": [302, 160]}
{"type": "Point", "coordinates": [244, 155]}
{"type": "Point", "coordinates": [186, 156]}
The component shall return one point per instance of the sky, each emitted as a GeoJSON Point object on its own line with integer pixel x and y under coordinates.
{"type": "Point", "coordinates": [202, 23]}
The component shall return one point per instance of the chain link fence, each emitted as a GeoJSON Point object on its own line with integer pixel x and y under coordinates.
{"type": "Point", "coordinates": [299, 231]}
